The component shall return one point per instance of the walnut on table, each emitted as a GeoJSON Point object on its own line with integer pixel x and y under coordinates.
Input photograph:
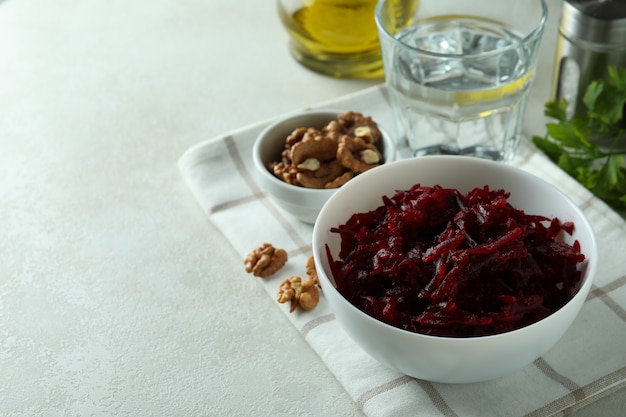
{"type": "Point", "coordinates": [311, 271]}
{"type": "Point", "coordinates": [265, 260]}
{"type": "Point", "coordinates": [304, 294]}
{"type": "Point", "coordinates": [301, 294]}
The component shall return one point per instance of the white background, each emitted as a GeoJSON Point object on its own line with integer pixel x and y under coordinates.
{"type": "Point", "coordinates": [117, 296]}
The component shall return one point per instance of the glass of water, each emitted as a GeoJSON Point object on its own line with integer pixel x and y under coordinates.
{"type": "Point", "coordinates": [459, 72]}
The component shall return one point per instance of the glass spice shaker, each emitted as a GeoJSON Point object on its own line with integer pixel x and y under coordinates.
{"type": "Point", "coordinates": [592, 37]}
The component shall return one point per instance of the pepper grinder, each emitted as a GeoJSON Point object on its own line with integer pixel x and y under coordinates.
{"type": "Point", "coordinates": [592, 36]}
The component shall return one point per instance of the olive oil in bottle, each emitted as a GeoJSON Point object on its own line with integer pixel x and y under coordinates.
{"type": "Point", "coordinates": [334, 37]}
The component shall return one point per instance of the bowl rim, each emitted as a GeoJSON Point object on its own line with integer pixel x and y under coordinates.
{"type": "Point", "coordinates": [590, 263]}
{"type": "Point", "coordinates": [388, 141]}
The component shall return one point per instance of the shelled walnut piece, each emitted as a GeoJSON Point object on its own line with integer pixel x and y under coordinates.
{"type": "Point", "coordinates": [265, 260]}
{"type": "Point", "coordinates": [303, 294]}
{"type": "Point", "coordinates": [330, 156]}
{"type": "Point", "coordinates": [311, 271]}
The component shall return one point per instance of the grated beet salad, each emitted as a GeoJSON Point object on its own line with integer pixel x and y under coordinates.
{"type": "Point", "coordinates": [434, 261]}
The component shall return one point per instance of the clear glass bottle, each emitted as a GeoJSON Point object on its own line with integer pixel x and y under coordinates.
{"type": "Point", "coordinates": [334, 37]}
{"type": "Point", "coordinates": [592, 36]}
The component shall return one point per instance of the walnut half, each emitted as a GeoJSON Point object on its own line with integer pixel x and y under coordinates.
{"type": "Point", "coordinates": [265, 260]}
{"type": "Point", "coordinates": [311, 271]}
{"type": "Point", "coordinates": [305, 295]}
{"type": "Point", "coordinates": [301, 294]}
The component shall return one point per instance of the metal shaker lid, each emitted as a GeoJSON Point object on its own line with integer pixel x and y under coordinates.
{"type": "Point", "coordinates": [595, 21]}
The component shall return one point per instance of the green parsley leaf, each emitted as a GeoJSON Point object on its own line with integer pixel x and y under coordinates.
{"type": "Point", "coordinates": [557, 109]}
{"type": "Point", "coordinates": [567, 135]}
{"type": "Point", "coordinates": [591, 146]}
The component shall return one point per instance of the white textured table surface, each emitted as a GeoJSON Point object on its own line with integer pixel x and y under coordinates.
{"type": "Point", "coordinates": [117, 296]}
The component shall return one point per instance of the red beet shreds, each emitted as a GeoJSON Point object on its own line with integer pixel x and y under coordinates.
{"type": "Point", "coordinates": [434, 261]}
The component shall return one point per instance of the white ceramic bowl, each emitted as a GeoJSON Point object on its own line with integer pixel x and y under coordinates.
{"type": "Point", "coordinates": [447, 359]}
{"type": "Point", "coordinates": [303, 203]}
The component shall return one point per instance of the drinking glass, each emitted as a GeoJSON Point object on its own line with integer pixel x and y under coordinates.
{"type": "Point", "coordinates": [459, 72]}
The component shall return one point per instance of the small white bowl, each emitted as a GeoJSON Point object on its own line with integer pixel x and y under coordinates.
{"type": "Point", "coordinates": [302, 203]}
{"type": "Point", "coordinates": [448, 359]}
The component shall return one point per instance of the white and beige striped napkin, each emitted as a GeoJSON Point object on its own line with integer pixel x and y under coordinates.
{"type": "Point", "coordinates": [588, 363]}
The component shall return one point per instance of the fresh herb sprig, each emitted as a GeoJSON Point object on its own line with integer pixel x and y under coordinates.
{"type": "Point", "coordinates": [591, 146]}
